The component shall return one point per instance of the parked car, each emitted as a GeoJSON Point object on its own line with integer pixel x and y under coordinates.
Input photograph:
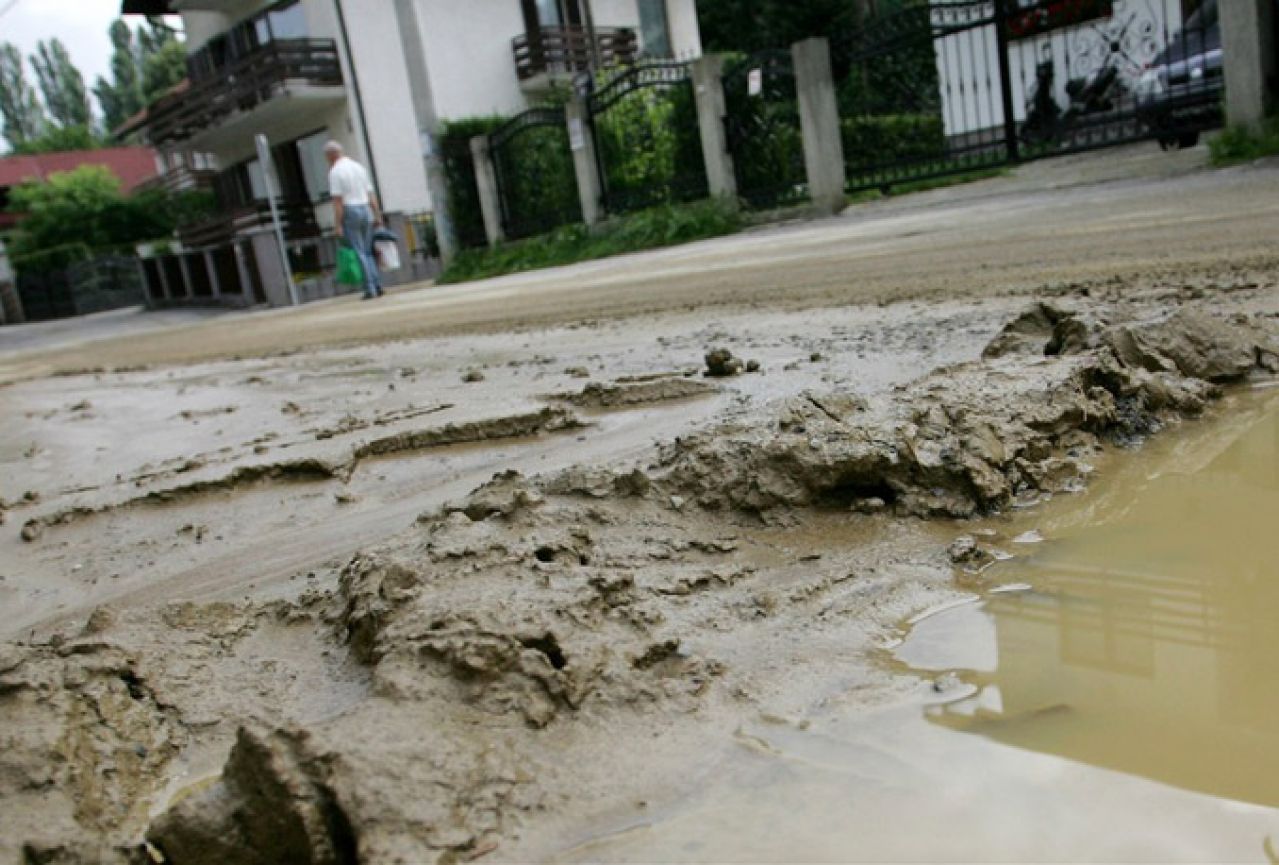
{"type": "Point", "coordinates": [1180, 92]}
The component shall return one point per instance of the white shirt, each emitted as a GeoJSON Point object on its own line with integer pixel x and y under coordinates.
{"type": "Point", "coordinates": [350, 182]}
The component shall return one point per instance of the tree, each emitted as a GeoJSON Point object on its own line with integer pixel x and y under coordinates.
{"type": "Point", "coordinates": [61, 84]}
{"type": "Point", "coordinates": [162, 69]}
{"type": "Point", "coordinates": [121, 97]}
{"type": "Point", "coordinates": [57, 139]}
{"type": "Point", "coordinates": [19, 105]}
{"type": "Point", "coordinates": [144, 64]}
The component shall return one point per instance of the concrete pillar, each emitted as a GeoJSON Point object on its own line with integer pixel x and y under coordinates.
{"type": "Point", "coordinates": [819, 121]}
{"type": "Point", "coordinates": [275, 282]}
{"type": "Point", "coordinates": [188, 285]}
{"type": "Point", "coordinates": [708, 92]}
{"type": "Point", "coordinates": [242, 270]}
{"type": "Point", "coordinates": [486, 184]}
{"type": "Point", "coordinates": [1248, 45]}
{"type": "Point", "coordinates": [211, 269]}
{"type": "Point", "coordinates": [581, 141]}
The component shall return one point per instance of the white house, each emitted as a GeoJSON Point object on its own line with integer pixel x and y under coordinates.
{"type": "Point", "coordinates": [303, 71]}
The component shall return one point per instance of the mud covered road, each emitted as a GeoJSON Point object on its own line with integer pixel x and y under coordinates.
{"type": "Point", "coordinates": [494, 570]}
{"type": "Point", "coordinates": [1134, 212]}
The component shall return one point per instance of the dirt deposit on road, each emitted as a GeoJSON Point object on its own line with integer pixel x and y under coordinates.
{"type": "Point", "coordinates": [496, 596]}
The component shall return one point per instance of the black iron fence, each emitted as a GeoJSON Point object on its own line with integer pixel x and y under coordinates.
{"type": "Point", "coordinates": [762, 128]}
{"type": "Point", "coordinates": [534, 170]}
{"type": "Point", "coordinates": [956, 85]}
{"type": "Point", "coordinates": [80, 288]}
{"type": "Point", "coordinates": [647, 142]}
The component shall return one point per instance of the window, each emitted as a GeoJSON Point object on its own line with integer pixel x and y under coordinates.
{"type": "Point", "coordinates": [288, 22]}
{"type": "Point", "coordinates": [654, 34]}
{"type": "Point", "coordinates": [548, 13]}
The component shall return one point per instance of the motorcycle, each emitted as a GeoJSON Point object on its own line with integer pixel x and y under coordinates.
{"type": "Point", "coordinates": [1097, 93]}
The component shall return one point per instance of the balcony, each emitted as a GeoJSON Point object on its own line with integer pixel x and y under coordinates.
{"type": "Point", "coordinates": [551, 55]}
{"type": "Point", "coordinates": [296, 217]}
{"type": "Point", "coordinates": [306, 69]}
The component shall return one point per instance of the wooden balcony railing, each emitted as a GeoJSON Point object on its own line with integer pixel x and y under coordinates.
{"type": "Point", "coordinates": [298, 218]}
{"type": "Point", "coordinates": [242, 85]}
{"type": "Point", "coordinates": [565, 50]}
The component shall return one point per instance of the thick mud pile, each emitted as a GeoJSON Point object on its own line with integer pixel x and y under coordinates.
{"type": "Point", "coordinates": [511, 658]}
{"type": "Point", "coordinates": [975, 438]}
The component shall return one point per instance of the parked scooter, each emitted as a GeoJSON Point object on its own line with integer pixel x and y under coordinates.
{"type": "Point", "coordinates": [1098, 93]}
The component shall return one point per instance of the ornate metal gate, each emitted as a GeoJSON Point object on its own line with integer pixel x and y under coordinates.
{"type": "Point", "coordinates": [647, 143]}
{"type": "Point", "coordinates": [536, 182]}
{"type": "Point", "coordinates": [763, 130]}
{"type": "Point", "coordinates": [952, 86]}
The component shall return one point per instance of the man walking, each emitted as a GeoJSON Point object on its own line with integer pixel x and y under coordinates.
{"type": "Point", "coordinates": [355, 211]}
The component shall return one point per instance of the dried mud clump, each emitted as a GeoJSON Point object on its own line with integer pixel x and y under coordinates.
{"type": "Point", "coordinates": [519, 609]}
{"type": "Point", "coordinates": [626, 394]}
{"type": "Point", "coordinates": [271, 805]}
{"type": "Point", "coordinates": [720, 363]}
{"type": "Point", "coordinates": [83, 749]}
{"type": "Point", "coordinates": [973, 438]}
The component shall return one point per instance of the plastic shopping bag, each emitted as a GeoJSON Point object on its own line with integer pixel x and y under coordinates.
{"type": "Point", "coordinates": [350, 270]}
{"type": "Point", "coordinates": [388, 255]}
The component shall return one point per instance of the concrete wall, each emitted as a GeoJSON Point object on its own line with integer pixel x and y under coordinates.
{"type": "Point", "coordinates": [686, 34]}
{"type": "Point", "coordinates": [468, 51]}
{"type": "Point", "coordinates": [384, 85]}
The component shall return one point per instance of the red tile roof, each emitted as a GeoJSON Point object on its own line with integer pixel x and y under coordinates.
{"type": "Point", "coordinates": [133, 165]}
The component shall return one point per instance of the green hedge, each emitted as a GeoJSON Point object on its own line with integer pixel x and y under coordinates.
{"type": "Point", "coordinates": [666, 225]}
{"type": "Point", "coordinates": [459, 172]}
{"type": "Point", "coordinates": [52, 259]}
{"type": "Point", "coordinates": [651, 149]}
{"type": "Point", "coordinates": [538, 181]}
{"type": "Point", "coordinates": [883, 141]}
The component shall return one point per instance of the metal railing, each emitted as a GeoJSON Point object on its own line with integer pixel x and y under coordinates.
{"type": "Point", "coordinates": [298, 218]}
{"type": "Point", "coordinates": [242, 86]}
{"type": "Point", "coordinates": [565, 50]}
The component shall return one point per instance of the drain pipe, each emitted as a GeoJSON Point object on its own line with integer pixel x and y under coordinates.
{"type": "Point", "coordinates": [359, 103]}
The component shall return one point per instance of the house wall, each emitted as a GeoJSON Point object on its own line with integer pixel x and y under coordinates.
{"type": "Point", "coordinates": [468, 55]}
{"type": "Point", "coordinates": [383, 80]}
{"type": "Point", "coordinates": [384, 85]}
{"type": "Point", "coordinates": [686, 35]}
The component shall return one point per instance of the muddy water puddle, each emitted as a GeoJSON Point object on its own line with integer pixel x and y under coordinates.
{"type": "Point", "coordinates": [1110, 697]}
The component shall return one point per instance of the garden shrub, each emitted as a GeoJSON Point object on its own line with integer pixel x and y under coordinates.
{"type": "Point", "coordinates": [459, 173]}
{"type": "Point", "coordinates": [873, 142]}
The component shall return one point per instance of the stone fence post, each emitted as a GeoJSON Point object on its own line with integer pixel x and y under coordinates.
{"type": "Point", "coordinates": [708, 95]}
{"type": "Point", "coordinates": [819, 121]}
{"type": "Point", "coordinates": [1248, 45]}
{"type": "Point", "coordinates": [486, 184]}
{"type": "Point", "coordinates": [581, 141]}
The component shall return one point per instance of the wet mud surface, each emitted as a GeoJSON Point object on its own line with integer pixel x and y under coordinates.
{"type": "Point", "coordinates": [560, 594]}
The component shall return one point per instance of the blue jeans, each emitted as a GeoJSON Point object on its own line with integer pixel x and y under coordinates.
{"type": "Point", "coordinates": [357, 228]}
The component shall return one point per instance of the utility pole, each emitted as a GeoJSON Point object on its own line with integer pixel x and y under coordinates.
{"type": "Point", "coordinates": [428, 124]}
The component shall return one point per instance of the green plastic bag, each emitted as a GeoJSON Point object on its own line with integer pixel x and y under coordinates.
{"type": "Point", "coordinates": [350, 270]}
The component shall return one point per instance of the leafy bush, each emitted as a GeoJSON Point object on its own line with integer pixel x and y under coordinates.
{"type": "Point", "coordinates": [651, 149]}
{"type": "Point", "coordinates": [86, 207]}
{"type": "Point", "coordinates": [459, 172]}
{"type": "Point", "coordinates": [537, 180]}
{"type": "Point", "coordinates": [1244, 144]}
{"type": "Point", "coordinates": [666, 225]}
{"type": "Point", "coordinates": [878, 141]}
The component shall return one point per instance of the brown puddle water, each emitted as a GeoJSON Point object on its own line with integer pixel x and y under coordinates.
{"type": "Point", "coordinates": [1115, 697]}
